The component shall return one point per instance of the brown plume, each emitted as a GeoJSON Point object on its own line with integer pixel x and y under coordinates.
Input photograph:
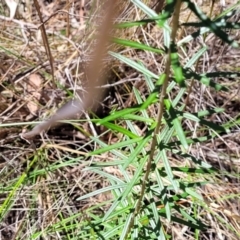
{"type": "Point", "coordinates": [92, 94]}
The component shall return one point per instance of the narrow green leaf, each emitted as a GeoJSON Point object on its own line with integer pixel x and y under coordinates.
{"type": "Point", "coordinates": [134, 65]}
{"type": "Point", "coordinates": [194, 194]}
{"type": "Point", "coordinates": [138, 118]}
{"type": "Point", "coordinates": [102, 190]}
{"type": "Point", "coordinates": [180, 133]}
{"type": "Point", "coordinates": [137, 45]}
{"type": "Point", "coordinates": [118, 145]}
{"type": "Point", "coordinates": [149, 11]}
{"type": "Point", "coordinates": [120, 129]}
{"type": "Point", "coordinates": [135, 24]}
{"type": "Point", "coordinates": [195, 57]}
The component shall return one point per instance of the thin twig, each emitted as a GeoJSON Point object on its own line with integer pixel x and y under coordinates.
{"type": "Point", "coordinates": [45, 41]}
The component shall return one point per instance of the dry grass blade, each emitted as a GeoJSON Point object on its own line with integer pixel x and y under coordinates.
{"type": "Point", "coordinates": [78, 105]}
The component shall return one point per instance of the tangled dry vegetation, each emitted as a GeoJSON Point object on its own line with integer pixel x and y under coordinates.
{"type": "Point", "coordinates": [55, 162]}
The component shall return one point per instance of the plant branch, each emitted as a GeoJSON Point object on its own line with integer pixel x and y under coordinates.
{"type": "Point", "coordinates": [159, 118]}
